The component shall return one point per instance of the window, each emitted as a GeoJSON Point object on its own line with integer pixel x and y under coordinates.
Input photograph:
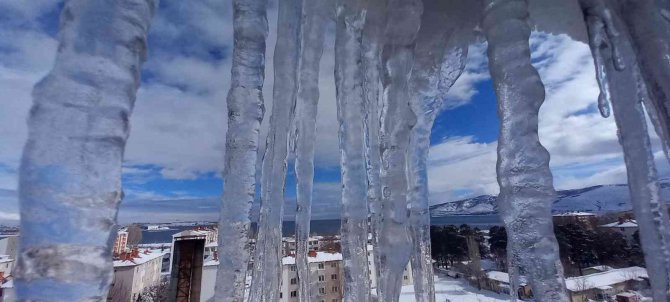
{"type": "Point", "coordinates": [333, 277]}
{"type": "Point", "coordinates": [281, 295]}
{"type": "Point", "coordinates": [294, 293]}
{"type": "Point", "coordinates": [335, 289]}
{"type": "Point", "coordinates": [322, 291]}
{"type": "Point", "coordinates": [333, 264]}
{"type": "Point", "coordinates": [321, 266]}
{"type": "Point", "coordinates": [292, 268]}
{"type": "Point", "coordinates": [405, 277]}
{"type": "Point", "coordinates": [321, 278]}
{"type": "Point", "coordinates": [294, 281]}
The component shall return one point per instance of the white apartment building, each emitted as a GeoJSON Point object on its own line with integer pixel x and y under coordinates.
{"type": "Point", "coordinates": [326, 277]}
{"type": "Point", "coordinates": [121, 241]}
{"type": "Point", "coordinates": [9, 245]}
{"type": "Point", "coordinates": [6, 265]}
{"type": "Point", "coordinates": [133, 273]}
{"type": "Point", "coordinates": [406, 276]}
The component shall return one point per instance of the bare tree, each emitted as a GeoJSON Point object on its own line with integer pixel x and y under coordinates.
{"type": "Point", "coordinates": [156, 293]}
{"type": "Point", "coordinates": [134, 235]}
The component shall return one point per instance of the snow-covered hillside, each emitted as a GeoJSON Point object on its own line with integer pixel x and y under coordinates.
{"type": "Point", "coordinates": [596, 199]}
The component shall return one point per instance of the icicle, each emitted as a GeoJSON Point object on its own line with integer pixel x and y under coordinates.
{"type": "Point", "coordinates": [373, 34]}
{"type": "Point", "coordinates": [404, 19]}
{"type": "Point", "coordinates": [526, 189]}
{"type": "Point", "coordinates": [267, 262]}
{"type": "Point", "coordinates": [350, 113]}
{"type": "Point", "coordinates": [650, 35]}
{"type": "Point", "coordinates": [628, 93]}
{"type": "Point", "coordinates": [315, 15]}
{"type": "Point", "coordinates": [440, 55]}
{"type": "Point", "coordinates": [245, 112]}
{"type": "Point", "coordinates": [70, 176]}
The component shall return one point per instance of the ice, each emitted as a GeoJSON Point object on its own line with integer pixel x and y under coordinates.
{"type": "Point", "coordinates": [440, 56]}
{"type": "Point", "coordinates": [349, 77]}
{"type": "Point", "coordinates": [267, 261]}
{"type": "Point", "coordinates": [315, 15]}
{"type": "Point", "coordinates": [526, 184]}
{"type": "Point", "coordinates": [245, 112]}
{"type": "Point", "coordinates": [397, 120]}
{"type": "Point", "coordinates": [650, 36]}
{"type": "Point", "coordinates": [373, 34]}
{"type": "Point", "coordinates": [628, 93]}
{"type": "Point", "coordinates": [70, 175]}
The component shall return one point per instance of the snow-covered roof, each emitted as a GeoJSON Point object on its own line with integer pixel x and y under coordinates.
{"type": "Point", "coordinates": [320, 257]}
{"type": "Point", "coordinates": [8, 284]}
{"type": "Point", "coordinates": [575, 214]}
{"type": "Point", "coordinates": [608, 278]}
{"type": "Point", "coordinates": [630, 223]}
{"type": "Point", "coordinates": [601, 268]}
{"type": "Point", "coordinates": [212, 244]}
{"type": "Point", "coordinates": [189, 233]}
{"type": "Point", "coordinates": [141, 259]}
{"type": "Point", "coordinates": [502, 277]}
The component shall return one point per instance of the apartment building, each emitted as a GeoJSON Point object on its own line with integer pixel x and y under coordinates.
{"type": "Point", "coordinates": [134, 272]}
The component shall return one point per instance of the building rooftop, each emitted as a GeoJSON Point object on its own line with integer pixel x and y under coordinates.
{"type": "Point", "coordinates": [629, 223]}
{"type": "Point", "coordinates": [605, 279]}
{"type": "Point", "coordinates": [503, 277]}
{"type": "Point", "coordinates": [575, 214]}
{"type": "Point", "coordinates": [142, 257]}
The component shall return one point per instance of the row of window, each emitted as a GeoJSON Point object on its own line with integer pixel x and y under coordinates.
{"type": "Point", "coordinates": [293, 268]}
{"type": "Point", "coordinates": [322, 291]}
{"type": "Point", "coordinates": [321, 278]}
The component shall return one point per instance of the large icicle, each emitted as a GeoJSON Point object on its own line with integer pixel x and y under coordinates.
{"type": "Point", "coordinates": [245, 112]}
{"type": "Point", "coordinates": [315, 14]}
{"type": "Point", "coordinates": [526, 189]}
{"type": "Point", "coordinates": [70, 177]}
{"type": "Point", "coordinates": [350, 114]}
{"type": "Point", "coordinates": [267, 262]}
{"type": "Point", "coordinates": [373, 34]}
{"type": "Point", "coordinates": [403, 22]}
{"type": "Point", "coordinates": [650, 35]}
{"type": "Point", "coordinates": [628, 93]}
{"type": "Point", "coordinates": [440, 54]}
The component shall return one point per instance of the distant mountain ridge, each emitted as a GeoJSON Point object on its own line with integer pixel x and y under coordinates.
{"type": "Point", "coordinates": [596, 199]}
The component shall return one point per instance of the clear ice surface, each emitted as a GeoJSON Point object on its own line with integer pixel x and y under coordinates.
{"type": "Point", "coordinates": [397, 119]}
{"type": "Point", "coordinates": [526, 184]}
{"type": "Point", "coordinates": [245, 112]}
{"type": "Point", "coordinates": [267, 261]}
{"type": "Point", "coordinates": [314, 17]}
{"type": "Point", "coordinates": [439, 59]}
{"type": "Point", "coordinates": [349, 78]}
{"type": "Point", "coordinates": [70, 175]}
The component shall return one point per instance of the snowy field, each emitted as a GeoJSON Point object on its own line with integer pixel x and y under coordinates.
{"type": "Point", "coordinates": [454, 290]}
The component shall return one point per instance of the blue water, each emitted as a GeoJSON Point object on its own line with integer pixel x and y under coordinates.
{"type": "Point", "coordinates": [332, 227]}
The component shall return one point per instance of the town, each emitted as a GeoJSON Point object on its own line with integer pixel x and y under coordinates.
{"type": "Point", "coordinates": [601, 256]}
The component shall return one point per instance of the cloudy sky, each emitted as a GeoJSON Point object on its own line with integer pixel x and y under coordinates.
{"type": "Point", "coordinates": [175, 151]}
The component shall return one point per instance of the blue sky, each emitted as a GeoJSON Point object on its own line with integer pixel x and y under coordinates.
{"type": "Point", "coordinates": [175, 150]}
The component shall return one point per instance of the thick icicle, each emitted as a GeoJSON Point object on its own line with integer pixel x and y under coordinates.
{"type": "Point", "coordinates": [440, 54]}
{"type": "Point", "coordinates": [267, 262]}
{"type": "Point", "coordinates": [315, 14]}
{"type": "Point", "coordinates": [70, 177]}
{"type": "Point", "coordinates": [373, 34]}
{"type": "Point", "coordinates": [526, 189]}
{"type": "Point", "coordinates": [404, 20]}
{"type": "Point", "coordinates": [245, 112]}
{"type": "Point", "coordinates": [350, 114]}
{"type": "Point", "coordinates": [628, 93]}
{"type": "Point", "coordinates": [650, 35]}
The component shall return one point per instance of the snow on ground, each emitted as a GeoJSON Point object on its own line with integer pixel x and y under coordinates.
{"type": "Point", "coordinates": [454, 290]}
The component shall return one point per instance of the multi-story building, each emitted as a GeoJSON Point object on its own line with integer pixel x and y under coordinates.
{"type": "Point", "coordinates": [326, 277]}
{"type": "Point", "coordinates": [588, 220]}
{"type": "Point", "coordinates": [406, 275]}
{"type": "Point", "coordinates": [9, 245]}
{"type": "Point", "coordinates": [135, 272]}
{"type": "Point", "coordinates": [121, 242]}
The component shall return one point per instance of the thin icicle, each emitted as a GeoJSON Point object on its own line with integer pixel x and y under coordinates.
{"type": "Point", "coordinates": [526, 184]}
{"type": "Point", "coordinates": [267, 262]}
{"type": "Point", "coordinates": [650, 36]}
{"type": "Point", "coordinates": [315, 14]}
{"type": "Point", "coordinates": [440, 56]}
{"type": "Point", "coordinates": [628, 94]}
{"type": "Point", "coordinates": [373, 34]}
{"type": "Point", "coordinates": [404, 20]}
{"type": "Point", "coordinates": [245, 112]}
{"type": "Point", "coordinates": [350, 114]}
{"type": "Point", "coordinates": [70, 176]}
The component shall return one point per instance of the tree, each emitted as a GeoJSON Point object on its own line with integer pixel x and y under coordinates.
{"type": "Point", "coordinates": [134, 235]}
{"type": "Point", "coordinates": [498, 245]}
{"type": "Point", "coordinates": [156, 293]}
